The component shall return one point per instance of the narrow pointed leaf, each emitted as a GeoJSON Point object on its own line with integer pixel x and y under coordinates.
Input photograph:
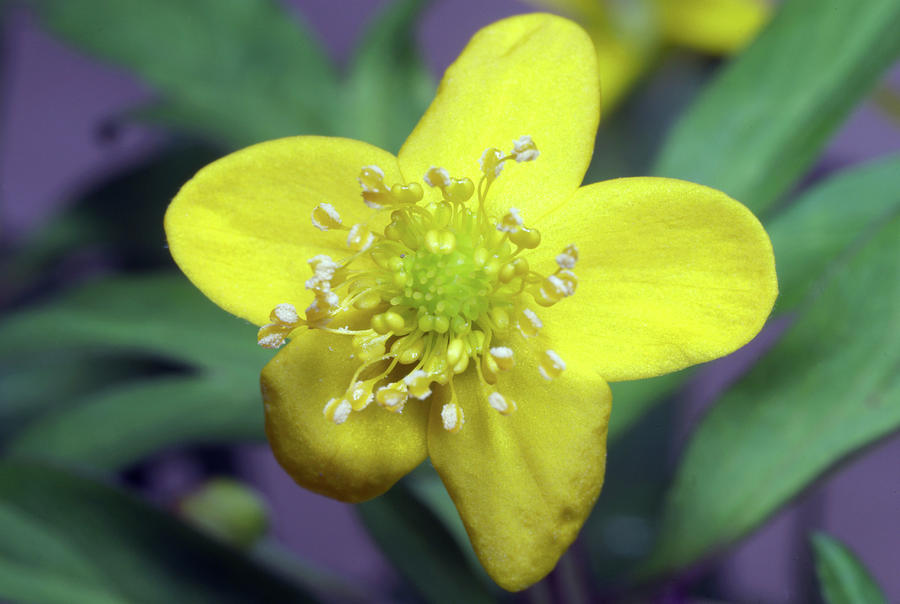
{"type": "Point", "coordinates": [763, 122]}
{"type": "Point", "coordinates": [239, 72]}
{"type": "Point", "coordinates": [421, 549]}
{"type": "Point", "coordinates": [388, 86]}
{"type": "Point", "coordinates": [116, 427]}
{"type": "Point", "coordinates": [842, 577]}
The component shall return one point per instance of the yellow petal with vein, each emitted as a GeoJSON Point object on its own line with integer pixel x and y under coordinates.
{"type": "Point", "coordinates": [353, 461]}
{"type": "Point", "coordinates": [525, 483]}
{"type": "Point", "coordinates": [671, 274]}
{"type": "Point", "coordinates": [532, 75]}
{"type": "Point", "coordinates": [241, 230]}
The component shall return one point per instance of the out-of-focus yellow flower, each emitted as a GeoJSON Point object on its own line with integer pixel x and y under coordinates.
{"type": "Point", "coordinates": [629, 34]}
{"type": "Point", "coordinates": [443, 319]}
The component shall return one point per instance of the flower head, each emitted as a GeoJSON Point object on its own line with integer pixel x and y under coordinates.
{"type": "Point", "coordinates": [466, 300]}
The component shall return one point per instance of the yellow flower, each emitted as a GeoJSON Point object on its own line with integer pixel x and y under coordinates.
{"type": "Point", "coordinates": [629, 34]}
{"type": "Point", "coordinates": [445, 318]}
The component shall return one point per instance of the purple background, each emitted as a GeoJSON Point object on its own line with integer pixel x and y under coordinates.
{"type": "Point", "coordinates": [55, 102]}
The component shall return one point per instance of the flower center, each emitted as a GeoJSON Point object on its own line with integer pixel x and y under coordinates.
{"type": "Point", "coordinates": [444, 289]}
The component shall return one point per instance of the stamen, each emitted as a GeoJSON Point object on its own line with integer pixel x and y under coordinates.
{"type": "Point", "coordinates": [529, 323]}
{"type": "Point", "coordinates": [568, 257]}
{"type": "Point", "coordinates": [360, 238]}
{"type": "Point", "coordinates": [524, 149]}
{"type": "Point", "coordinates": [503, 356]}
{"type": "Point", "coordinates": [501, 404]}
{"type": "Point", "coordinates": [337, 410]}
{"type": "Point", "coordinates": [452, 417]}
{"type": "Point", "coordinates": [491, 163]}
{"type": "Point", "coordinates": [325, 217]}
{"type": "Point", "coordinates": [511, 221]}
{"type": "Point", "coordinates": [551, 365]}
{"type": "Point", "coordinates": [393, 397]}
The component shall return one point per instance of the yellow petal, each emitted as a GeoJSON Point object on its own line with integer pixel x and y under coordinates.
{"type": "Point", "coordinates": [241, 229]}
{"type": "Point", "coordinates": [670, 274]}
{"type": "Point", "coordinates": [353, 461]}
{"type": "Point", "coordinates": [713, 26]}
{"type": "Point", "coordinates": [524, 483]}
{"type": "Point", "coordinates": [532, 75]}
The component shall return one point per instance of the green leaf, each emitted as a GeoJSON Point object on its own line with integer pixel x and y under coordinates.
{"type": "Point", "coordinates": [758, 128]}
{"type": "Point", "coordinates": [388, 85]}
{"type": "Point", "coordinates": [814, 232]}
{"type": "Point", "coordinates": [112, 426]}
{"type": "Point", "coordinates": [237, 71]}
{"type": "Point", "coordinates": [842, 577]}
{"type": "Point", "coordinates": [421, 549]}
{"type": "Point", "coordinates": [69, 540]}
{"type": "Point", "coordinates": [161, 315]}
{"type": "Point", "coordinates": [830, 387]}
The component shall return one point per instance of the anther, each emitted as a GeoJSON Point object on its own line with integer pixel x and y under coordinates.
{"type": "Point", "coordinates": [285, 313]}
{"type": "Point", "coordinates": [393, 396]}
{"type": "Point", "coordinates": [410, 193]}
{"type": "Point", "coordinates": [503, 356]}
{"type": "Point", "coordinates": [374, 192]}
{"type": "Point", "coordinates": [360, 238]}
{"type": "Point", "coordinates": [511, 221]}
{"type": "Point", "coordinates": [452, 417]}
{"type": "Point", "coordinates": [529, 323]}
{"type": "Point", "coordinates": [503, 405]}
{"type": "Point", "coordinates": [325, 217]}
{"type": "Point", "coordinates": [526, 238]}
{"type": "Point", "coordinates": [337, 410]}
{"type": "Point", "coordinates": [524, 149]}
{"type": "Point", "coordinates": [551, 365]}
{"type": "Point", "coordinates": [491, 163]}
{"type": "Point", "coordinates": [568, 257]}
{"type": "Point", "coordinates": [418, 383]}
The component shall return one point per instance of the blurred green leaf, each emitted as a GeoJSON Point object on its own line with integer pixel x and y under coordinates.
{"type": "Point", "coordinates": [809, 237]}
{"type": "Point", "coordinates": [761, 124]}
{"type": "Point", "coordinates": [388, 86]}
{"type": "Point", "coordinates": [842, 577]}
{"type": "Point", "coordinates": [116, 427]}
{"type": "Point", "coordinates": [68, 540]}
{"type": "Point", "coordinates": [122, 215]}
{"type": "Point", "coordinates": [813, 233]}
{"type": "Point", "coordinates": [830, 387]}
{"type": "Point", "coordinates": [420, 548]}
{"type": "Point", "coordinates": [160, 316]}
{"type": "Point", "coordinates": [237, 71]}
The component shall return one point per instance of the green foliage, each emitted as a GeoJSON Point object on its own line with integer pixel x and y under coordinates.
{"type": "Point", "coordinates": [68, 540]}
{"type": "Point", "coordinates": [388, 86]}
{"type": "Point", "coordinates": [415, 541]}
{"type": "Point", "coordinates": [215, 398]}
{"type": "Point", "coordinates": [842, 577]}
{"type": "Point", "coordinates": [830, 387]}
{"type": "Point", "coordinates": [761, 124]}
{"type": "Point", "coordinates": [239, 72]}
